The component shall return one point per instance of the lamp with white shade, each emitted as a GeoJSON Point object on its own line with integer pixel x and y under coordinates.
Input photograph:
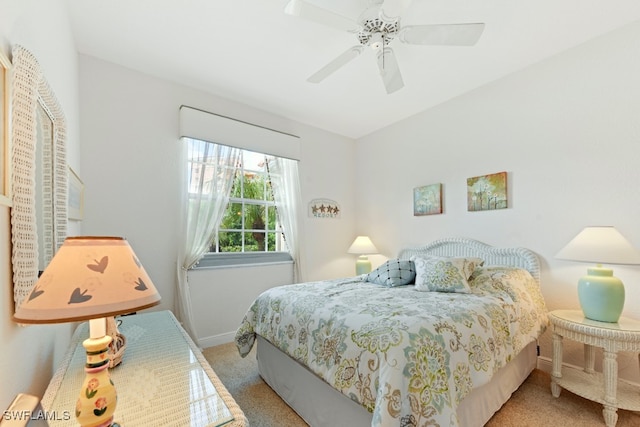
{"type": "Point", "coordinates": [601, 294]}
{"type": "Point", "coordinates": [91, 278]}
{"type": "Point", "coordinates": [362, 246]}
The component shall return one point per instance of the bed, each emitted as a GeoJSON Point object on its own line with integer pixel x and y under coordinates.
{"type": "Point", "coordinates": [442, 335]}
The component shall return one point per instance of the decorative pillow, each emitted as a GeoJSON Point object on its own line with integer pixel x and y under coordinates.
{"type": "Point", "coordinates": [444, 274]}
{"type": "Point", "coordinates": [394, 272]}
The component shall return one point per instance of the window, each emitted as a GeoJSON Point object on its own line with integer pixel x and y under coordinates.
{"type": "Point", "coordinates": [249, 223]}
{"type": "Point", "coordinates": [249, 231]}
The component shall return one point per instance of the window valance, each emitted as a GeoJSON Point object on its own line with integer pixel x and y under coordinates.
{"type": "Point", "coordinates": [207, 126]}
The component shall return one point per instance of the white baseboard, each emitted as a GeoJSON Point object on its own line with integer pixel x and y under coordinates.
{"type": "Point", "coordinates": [215, 340]}
{"type": "Point", "coordinates": [544, 364]}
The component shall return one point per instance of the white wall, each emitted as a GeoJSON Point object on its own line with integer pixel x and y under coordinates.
{"type": "Point", "coordinates": [132, 176]}
{"type": "Point", "coordinates": [234, 289]}
{"type": "Point", "coordinates": [566, 130]}
{"type": "Point", "coordinates": [30, 354]}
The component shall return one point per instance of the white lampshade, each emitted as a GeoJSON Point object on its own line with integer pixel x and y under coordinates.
{"type": "Point", "coordinates": [88, 278]}
{"type": "Point", "coordinates": [602, 245]}
{"type": "Point", "coordinates": [362, 245]}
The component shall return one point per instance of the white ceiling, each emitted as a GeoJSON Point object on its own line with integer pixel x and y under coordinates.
{"type": "Point", "coordinates": [251, 52]}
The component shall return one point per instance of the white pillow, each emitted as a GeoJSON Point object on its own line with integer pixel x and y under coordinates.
{"type": "Point", "coordinates": [444, 274]}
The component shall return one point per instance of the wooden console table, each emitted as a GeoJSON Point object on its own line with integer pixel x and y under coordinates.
{"type": "Point", "coordinates": [163, 380]}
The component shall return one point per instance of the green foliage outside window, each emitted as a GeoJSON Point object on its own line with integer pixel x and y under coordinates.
{"type": "Point", "coordinates": [251, 201]}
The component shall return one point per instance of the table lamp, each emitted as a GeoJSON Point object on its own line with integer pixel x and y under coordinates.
{"type": "Point", "coordinates": [91, 278]}
{"type": "Point", "coordinates": [362, 246]}
{"type": "Point", "coordinates": [601, 294]}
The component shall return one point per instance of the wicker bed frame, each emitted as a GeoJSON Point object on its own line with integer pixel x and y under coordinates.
{"type": "Point", "coordinates": [309, 396]}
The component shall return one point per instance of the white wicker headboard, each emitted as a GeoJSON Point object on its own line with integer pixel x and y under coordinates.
{"type": "Point", "coordinates": [513, 257]}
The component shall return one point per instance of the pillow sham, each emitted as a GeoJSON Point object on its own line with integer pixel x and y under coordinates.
{"type": "Point", "coordinates": [444, 274]}
{"type": "Point", "coordinates": [394, 272]}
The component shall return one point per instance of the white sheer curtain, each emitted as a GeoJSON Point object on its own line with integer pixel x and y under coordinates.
{"type": "Point", "coordinates": [283, 174]}
{"type": "Point", "coordinates": [209, 179]}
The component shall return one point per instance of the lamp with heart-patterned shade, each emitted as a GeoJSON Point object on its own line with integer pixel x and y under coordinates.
{"type": "Point", "coordinates": [91, 278]}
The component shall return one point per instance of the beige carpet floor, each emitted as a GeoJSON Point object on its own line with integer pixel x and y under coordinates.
{"type": "Point", "coordinates": [532, 405]}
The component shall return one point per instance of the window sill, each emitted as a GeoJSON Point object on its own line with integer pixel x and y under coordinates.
{"type": "Point", "coordinates": [243, 259]}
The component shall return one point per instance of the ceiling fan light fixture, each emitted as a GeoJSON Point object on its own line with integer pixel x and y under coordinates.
{"type": "Point", "coordinates": [377, 41]}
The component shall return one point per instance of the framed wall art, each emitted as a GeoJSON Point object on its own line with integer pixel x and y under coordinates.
{"type": "Point", "coordinates": [487, 192]}
{"type": "Point", "coordinates": [427, 200]}
{"type": "Point", "coordinates": [5, 137]}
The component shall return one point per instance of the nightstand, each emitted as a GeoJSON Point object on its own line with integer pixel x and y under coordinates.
{"type": "Point", "coordinates": [604, 387]}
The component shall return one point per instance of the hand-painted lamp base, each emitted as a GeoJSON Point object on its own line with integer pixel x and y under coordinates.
{"type": "Point", "coordinates": [97, 401]}
{"type": "Point", "coordinates": [363, 265]}
{"type": "Point", "coordinates": [601, 295]}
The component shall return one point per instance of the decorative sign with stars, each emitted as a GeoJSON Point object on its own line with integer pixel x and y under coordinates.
{"type": "Point", "coordinates": [324, 208]}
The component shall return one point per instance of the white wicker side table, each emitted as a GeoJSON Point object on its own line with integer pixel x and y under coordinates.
{"type": "Point", "coordinates": [163, 380]}
{"type": "Point", "coordinates": [603, 387]}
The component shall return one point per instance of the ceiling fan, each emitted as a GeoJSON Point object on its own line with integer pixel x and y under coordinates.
{"type": "Point", "coordinates": [376, 28]}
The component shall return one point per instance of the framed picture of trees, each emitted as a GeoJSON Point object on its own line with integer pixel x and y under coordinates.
{"type": "Point", "coordinates": [427, 200]}
{"type": "Point", "coordinates": [487, 192]}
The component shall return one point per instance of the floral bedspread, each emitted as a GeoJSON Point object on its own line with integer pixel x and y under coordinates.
{"type": "Point", "coordinates": [407, 356]}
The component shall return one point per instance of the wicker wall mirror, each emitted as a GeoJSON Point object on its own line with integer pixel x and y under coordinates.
{"type": "Point", "coordinates": [39, 173]}
{"type": "Point", "coordinates": [5, 137]}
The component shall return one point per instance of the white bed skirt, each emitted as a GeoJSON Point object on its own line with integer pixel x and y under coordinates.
{"type": "Point", "coordinates": [322, 406]}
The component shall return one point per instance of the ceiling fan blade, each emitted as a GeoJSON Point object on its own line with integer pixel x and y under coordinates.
{"type": "Point", "coordinates": [442, 34]}
{"type": "Point", "coordinates": [337, 63]}
{"type": "Point", "coordinates": [389, 70]}
{"type": "Point", "coordinates": [319, 15]}
{"type": "Point", "coordinates": [394, 8]}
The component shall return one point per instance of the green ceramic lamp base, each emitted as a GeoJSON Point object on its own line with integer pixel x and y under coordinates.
{"type": "Point", "coordinates": [601, 295]}
{"type": "Point", "coordinates": [363, 265]}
